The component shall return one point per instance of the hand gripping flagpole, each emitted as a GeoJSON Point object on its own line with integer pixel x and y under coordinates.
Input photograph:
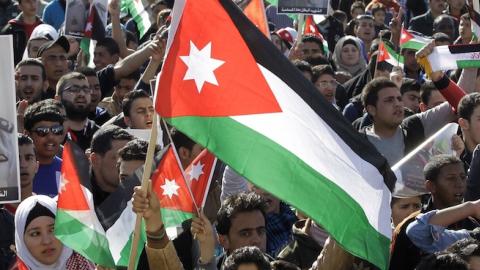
{"type": "Point", "coordinates": [147, 169]}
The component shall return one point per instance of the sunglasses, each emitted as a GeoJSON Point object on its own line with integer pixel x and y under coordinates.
{"type": "Point", "coordinates": [43, 131]}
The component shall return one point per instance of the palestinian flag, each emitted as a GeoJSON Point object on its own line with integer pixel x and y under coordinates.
{"type": "Point", "coordinates": [140, 15]}
{"type": "Point", "coordinates": [199, 175]}
{"type": "Point", "coordinates": [452, 57]}
{"type": "Point", "coordinates": [386, 53]}
{"type": "Point", "coordinates": [169, 184]}
{"type": "Point", "coordinates": [76, 223]}
{"type": "Point", "coordinates": [311, 28]}
{"type": "Point", "coordinates": [255, 11]}
{"type": "Point", "coordinates": [272, 126]}
{"type": "Point", "coordinates": [118, 220]}
{"type": "Point", "coordinates": [413, 40]}
{"type": "Point", "coordinates": [88, 47]}
{"type": "Point", "coordinates": [475, 18]}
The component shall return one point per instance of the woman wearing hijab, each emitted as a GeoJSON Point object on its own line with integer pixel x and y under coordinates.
{"type": "Point", "coordinates": [36, 245]}
{"type": "Point", "coordinates": [347, 56]}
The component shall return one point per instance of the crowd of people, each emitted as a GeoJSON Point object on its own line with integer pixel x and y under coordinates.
{"type": "Point", "coordinates": [105, 108]}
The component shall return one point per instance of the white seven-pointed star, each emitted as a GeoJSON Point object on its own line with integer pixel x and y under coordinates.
{"type": "Point", "coordinates": [63, 183]}
{"type": "Point", "coordinates": [403, 36]}
{"type": "Point", "coordinates": [201, 65]}
{"type": "Point", "coordinates": [88, 27]}
{"type": "Point", "coordinates": [197, 170]}
{"type": "Point", "coordinates": [170, 188]}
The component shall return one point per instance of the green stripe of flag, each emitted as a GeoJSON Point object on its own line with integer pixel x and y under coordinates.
{"type": "Point", "coordinates": [172, 218]}
{"type": "Point", "coordinates": [83, 239]}
{"type": "Point", "coordinates": [333, 205]}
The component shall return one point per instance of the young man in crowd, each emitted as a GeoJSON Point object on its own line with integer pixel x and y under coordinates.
{"type": "Point", "coordinates": [469, 121]}
{"type": "Point", "coordinates": [125, 85]}
{"type": "Point", "coordinates": [138, 110]}
{"type": "Point", "coordinates": [30, 80]}
{"type": "Point", "coordinates": [74, 91]}
{"type": "Point", "coordinates": [106, 53]}
{"type": "Point", "coordinates": [53, 55]}
{"type": "Point", "coordinates": [424, 23]}
{"type": "Point", "coordinates": [43, 122]}
{"type": "Point", "coordinates": [365, 31]}
{"type": "Point", "coordinates": [28, 165]}
{"type": "Point", "coordinates": [103, 160]}
{"type": "Point", "coordinates": [430, 96]}
{"type": "Point", "coordinates": [131, 157]}
{"type": "Point", "coordinates": [410, 91]}
{"type": "Point", "coordinates": [22, 27]}
{"type": "Point", "coordinates": [324, 79]}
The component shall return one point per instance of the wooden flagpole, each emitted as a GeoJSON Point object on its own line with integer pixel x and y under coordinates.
{"type": "Point", "coordinates": [147, 169]}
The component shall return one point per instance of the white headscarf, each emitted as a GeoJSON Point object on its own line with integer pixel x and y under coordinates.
{"type": "Point", "coordinates": [23, 253]}
{"type": "Point", "coordinates": [337, 57]}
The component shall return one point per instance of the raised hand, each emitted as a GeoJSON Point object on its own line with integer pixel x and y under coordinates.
{"type": "Point", "coordinates": [202, 230]}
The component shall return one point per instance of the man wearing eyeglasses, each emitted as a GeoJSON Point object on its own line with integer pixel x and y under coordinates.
{"type": "Point", "coordinates": [324, 79]}
{"type": "Point", "coordinates": [53, 55]}
{"type": "Point", "coordinates": [43, 122]}
{"type": "Point", "coordinates": [74, 91]}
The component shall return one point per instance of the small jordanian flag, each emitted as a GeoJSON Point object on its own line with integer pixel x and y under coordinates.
{"type": "Point", "coordinates": [255, 11]}
{"type": "Point", "coordinates": [413, 40]}
{"type": "Point", "coordinates": [95, 27]}
{"type": "Point", "coordinates": [452, 57]}
{"type": "Point", "coordinates": [171, 188]}
{"type": "Point", "coordinates": [386, 53]}
{"type": "Point", "coordinates": [118, 219]}
{"type": "Point", "coordinates": [199, 175]}
{"type": "Point", "coordinates": [311, 28]}
{"type": "Point", "coordinates": [271, 126]}
{"type": "Point", "coordinates": [140, 15]}
{"type": "Point", "coordinates": [76, 223]}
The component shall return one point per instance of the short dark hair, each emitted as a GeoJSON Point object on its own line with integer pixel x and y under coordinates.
{"type": "Point", "coordinates": [467, 105]}
{"type": "Point", "coordinates": [130, 98]}
{"type": "Point", "coordinates": [283, 265]}
{"type": "Point", "coordinates": [24, 139]}
{"type": "Point", "coordinates": [132, 76]}
{"type": "Point", "coordinates": [370, 91]}
{"type": "Point", "coordinates": [377, 7]}
{"type": "Point", "coordinates": [317, 59]}
{"type": "Point", "coordinates": [130, 37]}
{"type": "Point", "coordinates": [102, 138]}
{"type": "Point", "coordinates": [43, 110]}
{"type": "Point", "coordinates": [441, 37]}
{"type": "Point", "coordinates": [62, 82]}
{"type": "Point", "coordinates": [314, 39]}
{"type": "Point", "coordinates": [320, 70]}
{"type": "Point", "coordinates": [238, 203]}
{"type": "Point", "coordinates": [409, 85]}
{"type": "Point", "coordinates": [357, 4]}
{"type": "Point", "coordinates": [135, 149]}
{"type": "Point", "coordinates": [32, 62]}
{"type": "Point", "coordinates": [110, 44]}
{"type": "Point", "coordinates": [302, 65]}
{"type": "Point", "coordinates": [426, 91]}
{"type": "Point", "coordinates": [435, 165]}
{"type": "Point", "coordinates": [246, 255]}
{"type": "Point", "coordinates": [87, 71]}
{"type": "Point", "coordinates": [181, 140]}
{"type": "Point", "coordinates": [442, 261]}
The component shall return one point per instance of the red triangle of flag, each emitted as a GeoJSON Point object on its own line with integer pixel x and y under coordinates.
{"type": "Point", "coordinates": [382, 53]}
{"type": "Point", "coordinates": [199, 174]}
{"type": "Point", "coordinates": [405, 36]}
{"type": "Point", "coordinates": [207, 74]}
{"type": "Point", "coordinates": [71, 194]}
{"type": "Point", "coordinates": [311, 28]}
{"type": "Point", "coordinates": [170, 186]}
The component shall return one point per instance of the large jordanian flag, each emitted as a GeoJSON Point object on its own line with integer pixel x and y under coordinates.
{"type": "Point", "coordinates": [227, 87]}
{"type": "Point", "coordinates": [76, 224]}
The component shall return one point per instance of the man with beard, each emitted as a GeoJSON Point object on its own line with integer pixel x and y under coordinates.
{"type": "Point", "coordinates": [74, 91]}
{"type": "Point", "coordinates": [30, 80]}
{"type": "Point", "coordinates": [97, 113]}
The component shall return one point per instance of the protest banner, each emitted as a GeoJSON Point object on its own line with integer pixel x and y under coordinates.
{"type": "Point", "coordinates": [9, 164]}
{"type": "Point", "coordinates": [303, 6]}
{"type": "Point", "coordinates": [409, 170]}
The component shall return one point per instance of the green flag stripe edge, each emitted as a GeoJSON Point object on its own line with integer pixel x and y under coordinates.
{"type": "Point", "coordinates": [468, 63]}
{"type": "Point", "coordinates": [130, 5]}
{"type": "Point", "coordinates": [342, 216]}
{"type": "Point", "coordinates": [173, 217]}
{"type": "Point", "coordinates": [89, 243]}
{"type": "Point", "coordinates": [413, 44]}
{"type": "Point", "coordinates": [125, 253]}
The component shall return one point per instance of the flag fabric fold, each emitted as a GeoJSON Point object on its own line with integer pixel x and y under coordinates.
{"type": "Point", "coordinates": [76, 223]}
{"type": "Point", "coordinates": [272, 126]}
{"type": "Point", "coordinates": [386, 53]}
{"type": "Point", "coordinates": [452, 57]}
{"type": "Point", "coordinates": [199, 176]}
{"type": "Point", "coordinates": [255, 11]}
{"type": "Point", "coordinates": [413, 40]}
{"type": "Point", "coordinates": [139, 13]}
